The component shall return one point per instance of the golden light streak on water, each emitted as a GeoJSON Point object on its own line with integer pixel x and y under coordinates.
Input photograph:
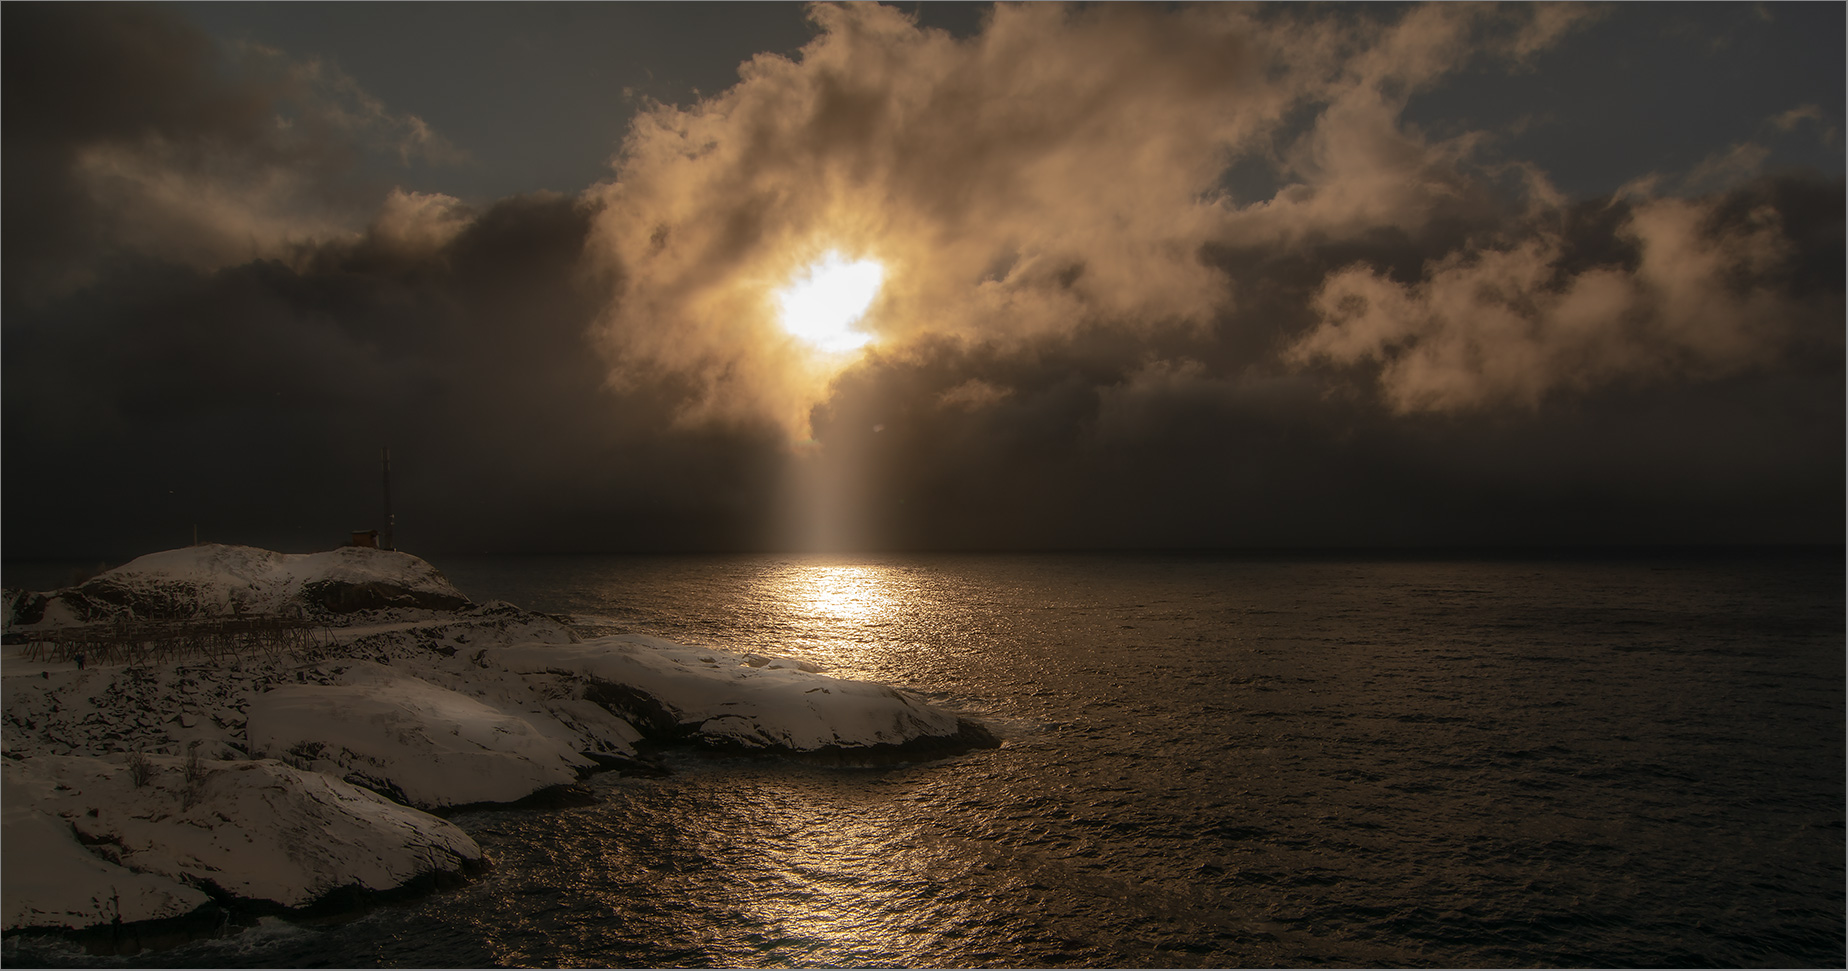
{"type": "Point", "coordinates": [861, 602]}
{"type": "Point", "coordinates": [837, 593]}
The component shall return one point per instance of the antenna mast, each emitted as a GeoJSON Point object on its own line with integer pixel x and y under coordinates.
{"type": "Point", "coordinates": [387, 544]}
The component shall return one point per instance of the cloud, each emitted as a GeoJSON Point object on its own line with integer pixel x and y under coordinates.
{"type": "Point", "coordinates": [1687, 293]}
{"type": "Point", "coordinates": [1099, 445]}
{"type": "Point", "coordinates": [1789, 120]}
{"type": "Point", "coordinates": [1388, 334]}
{"type": "Point", "coordinates": [130, 132]}
{"type": "Point", "coordinates": [334, 101]}
{"type": "Point", "coordinates": [1827, 133]}
{"type": "Point", "coordinates": [988, 175]}
{"type": "Point", "coordinates": [972, 394]}
{"type": "Point", "coordinates": [1058, 170]}
{"type": "Point", "coordinates": [420, 222]}
{"type": "Point", "coordinates": [253, 400]}
{"type": "Point", "coordinates": [1729, 167]}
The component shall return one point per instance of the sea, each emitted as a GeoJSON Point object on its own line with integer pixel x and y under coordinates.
{"type": "Point", "coordinates": [1449, 759]}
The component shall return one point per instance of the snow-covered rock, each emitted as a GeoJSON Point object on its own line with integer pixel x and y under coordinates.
{"type": "Point", "coordinates": [255, 830]}
{"type": "Point", "coordinates": [52, 880]}
{"type": "Point", "coordinates": [740, 701]}
{"type": "Point", "coordinates": [214, 580]}
{"type": "Point", "coordinates": [427, 746]}
{"type": "Point", "coordinates": [427, 697]}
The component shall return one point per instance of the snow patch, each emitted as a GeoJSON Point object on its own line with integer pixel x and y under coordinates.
{"type": "Point", "coordinates": [722, 697]}
{"type": "Point", "coordinates": [258, 830]}
{"type": "Point", "coordinates": [215, 580]}
{"type": "Point", "coordinates": [52, 880]}
{"type": "Point", "coordinates": [431, 746]}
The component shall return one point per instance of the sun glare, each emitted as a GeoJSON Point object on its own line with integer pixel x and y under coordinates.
{"type": "Point", "coordinates": [824, 303]}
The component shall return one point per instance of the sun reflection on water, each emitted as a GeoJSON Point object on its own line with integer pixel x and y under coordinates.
{"type": "Point", "coordinates": [839, 615]}
{"type": "Point", "coordinates": [850, 593]}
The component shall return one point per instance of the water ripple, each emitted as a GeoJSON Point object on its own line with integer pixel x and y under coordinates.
{"type": "Point", "coordinates": [1207, 762]}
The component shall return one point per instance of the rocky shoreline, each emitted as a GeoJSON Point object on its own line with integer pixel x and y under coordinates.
{"type": "Point", "coordinates": [144, 799]}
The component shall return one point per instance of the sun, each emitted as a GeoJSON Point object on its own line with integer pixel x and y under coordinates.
{"type": "Point", "coordinates": [827, 299]}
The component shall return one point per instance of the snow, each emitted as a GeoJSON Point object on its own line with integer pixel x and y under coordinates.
{"type": "Point", "coordinates": [59, 613]}
{"type": "Point", "coordinates": [739, 700]}
{"type": "Point", "coordinates": [258, 830]}
{"type": "Point", "coordinates": [435, 705]}
{"type": "Point", "coordinates": [433, 746]}
{"type": "Point", "coordinates": [51, 880]}
{"type": "Point", "coordinates": [268, 580]}
{"type": "Point", "coordinates": [216, 580]}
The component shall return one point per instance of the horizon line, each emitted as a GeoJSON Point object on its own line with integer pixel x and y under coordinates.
{"type": "Point", "coordinates": [1353, 549]}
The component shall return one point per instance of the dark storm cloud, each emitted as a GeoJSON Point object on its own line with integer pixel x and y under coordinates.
{"type": "Point", "coordinates": [129, 131]}
{"type": "Point", "coordinates": [1275, 313]}
{"type": "Point", "coordinates": [157, 377]}
{"type": "Point", "coordinates": [253, 401]}
{"type": "Point", "coordinates": [1100, 441]}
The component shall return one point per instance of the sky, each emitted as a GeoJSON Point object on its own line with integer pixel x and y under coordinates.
{"type": "Point", "coordinates": [1147, 276]}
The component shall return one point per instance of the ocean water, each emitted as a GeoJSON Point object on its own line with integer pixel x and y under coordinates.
{"type": "Point", "coordinates": [1208, 761]}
